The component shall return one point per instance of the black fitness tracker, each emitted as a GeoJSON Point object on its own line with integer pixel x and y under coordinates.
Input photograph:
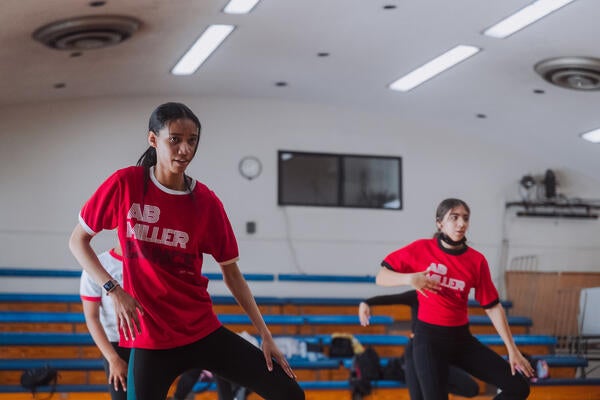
{"type": "Point", "coordinates": [110, 285]}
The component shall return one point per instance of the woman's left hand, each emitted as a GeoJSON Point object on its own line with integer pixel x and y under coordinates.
{"type": "Point", "coordinates": [519, 363]}
{"type": "Point", "coordinates": [364, 313]}
{"type": "Point", "coordinates": [271, 351]}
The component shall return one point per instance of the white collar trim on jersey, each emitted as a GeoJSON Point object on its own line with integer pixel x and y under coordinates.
{"type": "Point", "coordinates": [166, 189]}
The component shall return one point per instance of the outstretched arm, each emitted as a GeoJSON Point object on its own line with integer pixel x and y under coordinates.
{"type": "Point", "coordinates": [126, 307]}
{"type": "Point", "coordinates": [419, 280]}
{"type": "Point", "coordinates": [238, 286]}
{"type": "Point", "coordinates": [408, 298]}
{"type": "Point", "coordinates": [515, 358]}
{"type": "Point", "coordinates": [117, 366]}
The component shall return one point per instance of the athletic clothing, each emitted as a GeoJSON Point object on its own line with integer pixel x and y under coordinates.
{"type": "Point", "coordinates": [436, 347]}
{"type": "Point", "coordinates": [456, 271]}
{"type": "Point", "coordinates": [89, 290]}
{"type": "Point", "coordinates": [164, 234]}
{"type": "Point", "coordinates": [459, 382]}
{"type": "Point", "coordinates": [225, 390]}
{"type": "Point", "coordinates": [123, 352]}
{"type": "Point", "coordinates": [408, 298]}
{"type": "Point", "coordinates": [442, 337]}
{"type": "Point", "coordinates": [222, 352]}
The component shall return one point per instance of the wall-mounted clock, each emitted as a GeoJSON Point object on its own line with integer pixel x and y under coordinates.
{"type": "Point", "coordinates": [250, 167]}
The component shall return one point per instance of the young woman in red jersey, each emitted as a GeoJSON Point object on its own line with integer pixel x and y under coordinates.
{"type": "Point", "coordinates": [166, 222]}
{"type": "Point", "coordinates": [443, 270]}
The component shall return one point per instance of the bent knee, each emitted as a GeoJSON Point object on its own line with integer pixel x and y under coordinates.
{"type": "Point", "coordinates": [517, 390]}
{"type": "Point", "coordinates": [471, 390]}
{"type": "Point", "coordinates": [296, 392]}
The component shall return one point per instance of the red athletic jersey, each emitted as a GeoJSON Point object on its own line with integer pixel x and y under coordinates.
{"type": "Point", "coordinates": [163, 234]}
{"type": "Point", "coordinates": [457, 273]}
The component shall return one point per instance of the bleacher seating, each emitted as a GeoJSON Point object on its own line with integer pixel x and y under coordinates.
{"type": "Point", "coordinates": [40, 329]}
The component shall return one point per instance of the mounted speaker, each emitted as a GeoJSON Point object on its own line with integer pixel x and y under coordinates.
{"type": "Point", "coordinates": [550, 184]}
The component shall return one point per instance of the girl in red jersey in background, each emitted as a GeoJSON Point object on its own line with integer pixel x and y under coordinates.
{"type": "Point", "coordinates": [166, 221]}
{"type": "Point", "coordinates": [443, 270]}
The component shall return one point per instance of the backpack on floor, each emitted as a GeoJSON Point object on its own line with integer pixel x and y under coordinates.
{"type": "Point", "coordinates": [365, 368]}
{"type": "Point", "coordinates": [341, 347]}
{"type": "Point", "coordinates": [34, 378]}
{"type": "Point", "coordinates": [394, 370]}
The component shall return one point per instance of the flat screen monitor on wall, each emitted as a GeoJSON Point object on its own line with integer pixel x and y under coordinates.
{"type": "Point", "coordinates": [339, 180]}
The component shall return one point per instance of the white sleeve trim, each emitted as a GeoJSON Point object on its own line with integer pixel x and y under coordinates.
{"type": "Point", "coordinates": [85, 226]}
{"type": "Point", "coordinates": [233, 260]}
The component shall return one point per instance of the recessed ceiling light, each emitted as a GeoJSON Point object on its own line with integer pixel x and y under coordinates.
{"type": "Point", "coordinates": [323, 54]}
{"type": "Point", "coordinates": [97, 3]}
{"type": "Point", "coordinates": [434, 67]}
{"type": "Point", "coordinates": [592, 136]}
{"type": "Point", "coordinates": [75, 54]}
{"type": "Point", "coordinates": [539, 91]}
{"type": "Point", "coordinates": [208, 42]}
{"type": "Point", "coordinates": [525, 16]}
{"type": "Point", "coordinates": [281, 84]}
{"type": "Point", "coordinates": [482, 116]}
{"type": "Point", "coordinates": [389, 7]}
{"type": "Point", "coordinates": [60, 85]}
{"type": "Point", "coordinates": [240, 6]}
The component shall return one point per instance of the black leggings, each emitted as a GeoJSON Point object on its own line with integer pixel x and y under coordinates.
{"type": "Point", "coordinates": [436, 347]}
{"type": "Point", "coordinates": [225, 389]}
{"type": "Point", "coordinates": [459, 382]}
{"type": "Point", "coordinates": [123, 352]}
{"type": "Point", "coordinates": [224, 353]}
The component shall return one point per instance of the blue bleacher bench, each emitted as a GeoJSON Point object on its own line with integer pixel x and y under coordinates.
{"type": "Point", "coordinates": [520, 340]}
{"type": "Point", "coordinates": [76, 273]}
{"type": "Point", "coordinates": [63, 364]}
{"type": "Point", "coordinates": [44, 339]}
{"type": "Point", "coordinates": [276, 319]}
{"type": "Point", "coordinates": [306, 385]}
{"type": "Point", "coordinates": [34, 338]}
{"type": "Point", "coordinates": [553, 360]}
{"type": "Point", "coordinates": [512, 320]}
{"type": "Point", "coordinates": [228, 319]}
{"type": "Point", "coordinates": [219, 299]}
{"type": "Point", "coordinates": [74, 364]}
{"type": "Point", "coordinates": [326, 278]}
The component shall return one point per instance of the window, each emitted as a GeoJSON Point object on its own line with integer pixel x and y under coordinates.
{"type": "Point", "coordinates": [339, 180]}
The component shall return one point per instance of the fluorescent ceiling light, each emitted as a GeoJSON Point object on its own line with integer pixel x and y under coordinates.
{"type": "Point", "coordinates": [212, 37]}
{"type": "Point", "coordinates": [240, 6]}
{"type": "Point", "coordinates": [434, 67]}
{"type": "Point", "coordinates": [592, 136]}
{"type": "Point", "coordinates": [524, 17]}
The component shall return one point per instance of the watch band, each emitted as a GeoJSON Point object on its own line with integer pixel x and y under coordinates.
{"type": "Point", "coordinates": [110, 285]}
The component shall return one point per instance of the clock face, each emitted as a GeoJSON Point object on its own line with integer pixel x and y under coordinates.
{"type": "Point", "coordinates": [250, 167]}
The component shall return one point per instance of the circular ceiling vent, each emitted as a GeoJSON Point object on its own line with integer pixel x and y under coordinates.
{"type": "Point", "coordinates": [87, 33]}
{"type": "Point", "coordinates": [578, 73]}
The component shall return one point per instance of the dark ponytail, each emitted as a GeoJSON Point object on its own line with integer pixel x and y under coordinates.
{"type": "Point", "coordinates": [148, 159]}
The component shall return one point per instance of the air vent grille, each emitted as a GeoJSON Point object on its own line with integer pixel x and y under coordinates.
{"type": "Point", "coordinates": [87, 33]}
{"type": "Point", "coordinates": [578, 73]}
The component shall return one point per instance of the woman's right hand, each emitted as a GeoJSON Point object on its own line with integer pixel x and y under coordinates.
{"type": "Point", "coordinates": [364, 313]}
{"type": "Point", "coordinates": [423, 283]}
{"type": "Point", "coordinates": [117, 375]}
{"type": "Point", "coordinates": [128, 312]}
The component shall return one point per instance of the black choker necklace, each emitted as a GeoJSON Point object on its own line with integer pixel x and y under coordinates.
{"type": "Point", "coordinates": [451, 242]}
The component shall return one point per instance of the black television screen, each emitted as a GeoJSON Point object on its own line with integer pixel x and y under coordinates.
{"type": "Point", "coordinates": [339, 180]}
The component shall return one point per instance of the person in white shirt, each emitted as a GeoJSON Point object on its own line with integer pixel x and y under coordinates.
{"type": "Point", "coordinates": [101, 322]}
